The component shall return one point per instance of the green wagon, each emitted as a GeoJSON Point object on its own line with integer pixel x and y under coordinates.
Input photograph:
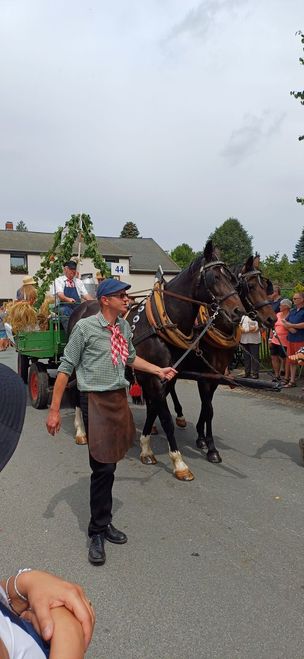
{"type": "Point", "coordinates": [33, 347]}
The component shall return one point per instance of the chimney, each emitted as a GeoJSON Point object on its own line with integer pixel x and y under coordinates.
{"type": "Point", "coordinates": [9, 226]}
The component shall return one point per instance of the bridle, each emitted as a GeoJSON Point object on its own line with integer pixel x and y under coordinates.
{"type": "Point", "coordinates": [244, 292]}
{"type": "Point", "coordinates": [215, 299]}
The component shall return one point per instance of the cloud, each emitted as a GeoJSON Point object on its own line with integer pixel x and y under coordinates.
{"type": "Point", "coordinates": [247, 139]}
{"type": "Point", "coordinates": [201, 18]}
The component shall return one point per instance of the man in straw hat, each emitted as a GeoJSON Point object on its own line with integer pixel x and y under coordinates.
{"type": "Point", "coordinates": [58, 609]}
{"type": "Point", "coordinates": [28, 283]}
{"type": "Point", "coordinates": [99, 277]}
{"type": "Point", "coordinates": [99, 348]}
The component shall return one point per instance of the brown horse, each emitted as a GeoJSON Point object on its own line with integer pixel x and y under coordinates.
{"type": "Point", "coordinates": [253, 289]}
{"type": "Point", "coordinates": [163, 329]}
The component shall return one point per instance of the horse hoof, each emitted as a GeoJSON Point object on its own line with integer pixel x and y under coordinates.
{"type": "Point", "coordinates": [81, 440]}
{"type": "Point", "coordinates": [181, 421]}
{"type": "Point", "coordinates": [148, 459]}
{"type": "Point", "coordinates": [154, 430]}
{"type": "Point", "coordinates": [200, 443]}
{"type": "Point", "coordinates": [185, 475]}
{"type": "Point", "coordinates": [214, 457]}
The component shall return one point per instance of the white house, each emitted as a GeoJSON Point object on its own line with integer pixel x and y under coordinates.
{"type": "Point", "coordinates": [134, 260]}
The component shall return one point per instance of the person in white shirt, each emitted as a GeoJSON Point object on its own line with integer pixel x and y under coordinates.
{"type": "Point", "coordinates": [68, 288]}
{"type": "Point", "coordinates": [250, 339]}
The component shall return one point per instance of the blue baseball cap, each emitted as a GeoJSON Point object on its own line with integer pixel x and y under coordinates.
{"type": "Point", "coordinates": [71, 264]}
{"type": "Point", "coordinates": [110, 287]}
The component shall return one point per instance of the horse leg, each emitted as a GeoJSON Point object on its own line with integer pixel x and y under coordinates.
{"type": "Point", "coordinates": [180, 419]}
{"type": "Point", "coordinates": [80, 437]}
{"type": "Point", "coordinates": [206, 393]}
{"type": "Point", "coordinates": [180, 469]}
{"type": "Point", "coordinates": [146, 454]}
{"type": "Point", "coordinates": [200, 427]}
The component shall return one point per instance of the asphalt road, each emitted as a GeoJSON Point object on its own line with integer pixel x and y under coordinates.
{"type": "Point", "coordinates": [213, 568]}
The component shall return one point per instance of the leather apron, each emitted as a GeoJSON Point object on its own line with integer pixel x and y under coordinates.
{"type": "Point", "coordinates": [111, 426]}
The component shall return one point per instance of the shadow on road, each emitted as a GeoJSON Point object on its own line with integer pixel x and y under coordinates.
{"type": "Point", "coordinates": [288, 449]}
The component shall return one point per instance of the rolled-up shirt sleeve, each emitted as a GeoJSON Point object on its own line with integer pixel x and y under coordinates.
{"type": "Point", "coordinates": [72, 352]}
{"type": "Point", "coordinates": [131, 349]}
{"type": "Point", "coordinates": [81, 289]}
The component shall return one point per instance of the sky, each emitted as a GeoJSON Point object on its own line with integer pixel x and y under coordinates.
{"type": "Point", "coordinates": [171, 113]}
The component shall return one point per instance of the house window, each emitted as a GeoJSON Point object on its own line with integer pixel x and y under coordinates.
{"type": "Point", "coordinates": [19, 264]}
{"type": "Point", "coordinates": [109, 260]}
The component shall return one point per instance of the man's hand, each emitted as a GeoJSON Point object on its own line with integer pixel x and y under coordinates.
{"type": "Point", "coordinates": [53, 422]}
{"type": "Point", "coordinates": [167, 373]}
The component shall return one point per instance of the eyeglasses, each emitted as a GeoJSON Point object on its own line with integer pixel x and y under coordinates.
{"type": "Point", "coordinates": [120, 296]}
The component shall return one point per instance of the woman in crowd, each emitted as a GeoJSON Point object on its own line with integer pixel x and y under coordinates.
{"type": "Point", "coordinates": [294, 323]}
{"type": "Point", "coordinates": [40, 614]}
{"type": "Point", "coordinates": [278, 342]}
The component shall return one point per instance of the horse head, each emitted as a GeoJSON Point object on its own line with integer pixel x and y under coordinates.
{"type": "Point", "coordinates": [254, 290]}
{"type": "Point", "coordinates": [216, 286]}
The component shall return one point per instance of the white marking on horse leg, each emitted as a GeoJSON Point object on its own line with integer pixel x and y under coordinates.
{"type": "Point", "coordinates": [79, 427]}
{"type": "Point", "coordinates": [180, 469]}
{"type": "Point", "coordinates": [146, 454]}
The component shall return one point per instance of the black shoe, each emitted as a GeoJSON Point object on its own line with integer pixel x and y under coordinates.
{"type": "Point", "coordinates": [97, 554]}
{"type": "Point", "coordinates": [113, 535]}
{"type": "Point", "coordinates": [255, 376]}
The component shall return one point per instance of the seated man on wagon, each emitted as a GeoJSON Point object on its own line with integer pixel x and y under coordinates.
{"type": "Point", "coordinates": [70, 289]}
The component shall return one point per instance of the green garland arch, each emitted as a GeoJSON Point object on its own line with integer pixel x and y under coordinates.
{"type": "Point", "coordinates": [79, 226]}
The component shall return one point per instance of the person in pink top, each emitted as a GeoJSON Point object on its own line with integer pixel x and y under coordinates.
{"type": "Point", "coordinates": [278, 342]}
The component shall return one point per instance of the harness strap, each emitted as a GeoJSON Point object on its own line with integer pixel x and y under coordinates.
{"type": "Point", "coordinates": [165, 328]}
{"type": "Point", "coordinates": [214, 337]}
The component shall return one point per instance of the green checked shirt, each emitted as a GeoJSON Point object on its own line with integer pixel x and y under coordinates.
{"type": "Point", "coordinates": [89, 352]}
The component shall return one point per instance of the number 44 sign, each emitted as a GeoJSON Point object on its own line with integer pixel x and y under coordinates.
{"type": "Point", "coordinates": [119, 269]}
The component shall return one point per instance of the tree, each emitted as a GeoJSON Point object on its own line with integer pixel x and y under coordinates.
{"type": "Point", "coordinates": [298, 254]}
{"type": "Point", "coordinates": [20, 226]}
{"type": "Point", "coordinates": [300, 95]}
{"type": "Point", "coordinates": [182, 255]}
{"type": "Point", "coordinates": [281, 271]}
{"type": "Point", "coordinates": [129, 230]}
{"type": "Point", "coordinates": [78, 227]}
{"type": "Point", "coordinates": [233, 241]}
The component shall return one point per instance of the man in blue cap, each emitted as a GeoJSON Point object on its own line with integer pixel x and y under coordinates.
{"type": "Point", "coordinates": [99, 348]}
{"type": "Point", "coordinates": [70, 289]}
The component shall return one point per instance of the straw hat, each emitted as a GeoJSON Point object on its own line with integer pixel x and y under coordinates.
{"type": "Point", "coordinates": [28, 280]}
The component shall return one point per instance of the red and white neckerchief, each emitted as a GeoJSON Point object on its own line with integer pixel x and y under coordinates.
{"type": "Point", "coordinates": [119, 345]}
{"type": "Point", "coordinates": [70, 283]}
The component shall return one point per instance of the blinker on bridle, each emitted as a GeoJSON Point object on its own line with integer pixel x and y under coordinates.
{"type": "Point", "coordinates": [243, 286]}
{"type": "Point", "coordinates": [202, 273]}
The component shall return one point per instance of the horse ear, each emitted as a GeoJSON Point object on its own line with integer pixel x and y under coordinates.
{"type": "Point", "coordinates": [208, 251]}
{"type": "Point", "coordinates": [256, 262]}
{"type": "Point", "coordinates": [248, 265]}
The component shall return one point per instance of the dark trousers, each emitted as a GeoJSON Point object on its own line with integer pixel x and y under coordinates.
{"type": "Point", "coordinates": [102, 479]}
{"type": "Point", "coordinates": [251, 360]}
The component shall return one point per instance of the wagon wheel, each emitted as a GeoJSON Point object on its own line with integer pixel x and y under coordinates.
{"type": "Point", "coordinates": [38, 384]}
{"type": "Point", "coordinates": [23, 363]}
